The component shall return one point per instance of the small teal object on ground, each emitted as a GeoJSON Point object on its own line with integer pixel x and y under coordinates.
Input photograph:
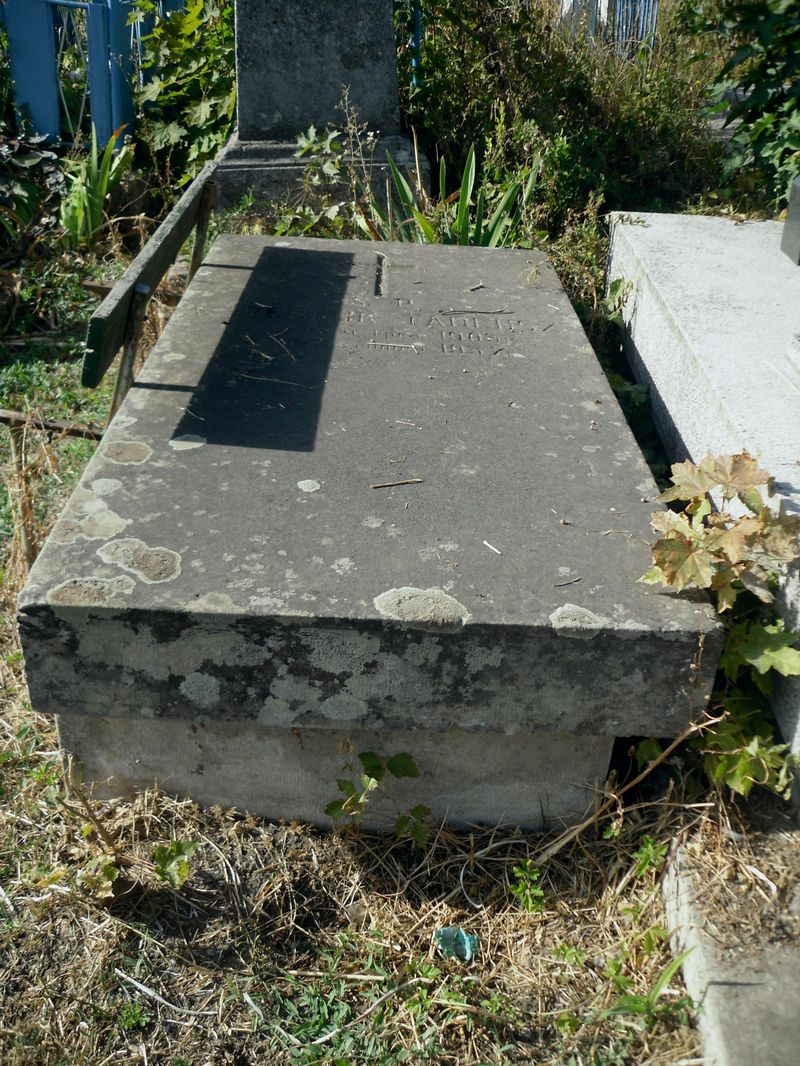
{"type": "Point", "coordinates": [455, 943]}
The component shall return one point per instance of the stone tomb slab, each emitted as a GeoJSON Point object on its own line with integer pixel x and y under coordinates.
{"type": "Point", "coordinates": [363, 497]}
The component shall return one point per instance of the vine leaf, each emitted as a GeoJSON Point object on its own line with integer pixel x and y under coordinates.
{"type": "Point", "coordinates": [762, 647]}
{"type": "Point", "coordinates": [736, 473]}
{"type": "Point", "coordinates": [402, 765]}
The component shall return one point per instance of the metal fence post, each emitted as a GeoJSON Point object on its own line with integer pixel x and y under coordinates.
{"type": "Point", "coordinates": [121, 60]}
{"type": "Point", "coordinates": [32, 48]}
{"type": "Point", "coordinates": [99, 72]}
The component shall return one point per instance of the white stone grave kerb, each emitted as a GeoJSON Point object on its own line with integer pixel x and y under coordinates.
{"type": "Point", "coordinates": [713, 327]}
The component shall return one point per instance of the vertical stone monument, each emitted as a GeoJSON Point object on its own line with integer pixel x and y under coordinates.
{"type": "Point", "coordinates": [293, 63]}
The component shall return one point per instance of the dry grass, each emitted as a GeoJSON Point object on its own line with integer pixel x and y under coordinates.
{"type": "Point", "coordinates": [290, 945]}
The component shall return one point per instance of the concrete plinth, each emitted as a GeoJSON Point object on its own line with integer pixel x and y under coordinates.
{"type": "Point", "coordinates": [713, 327]}
{"type": "Point", "coordinates": [272, 170]}
{"type": "Point", "coordinates": [534, 781]}
{"type": "Point", "coordinates": [365, 491]}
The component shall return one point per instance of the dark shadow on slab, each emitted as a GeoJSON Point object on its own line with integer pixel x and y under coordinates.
{"type": "Point", "coordinates": [263, 385]}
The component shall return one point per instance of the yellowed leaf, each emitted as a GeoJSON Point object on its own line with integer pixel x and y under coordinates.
{"type": "Point", "coordinates": [685, 564]}
{"type": "Point", "coordinates": [688, 481]}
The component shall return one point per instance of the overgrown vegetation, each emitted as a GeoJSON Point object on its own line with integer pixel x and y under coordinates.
{"type": "Point", "coordinates": [758, 86]}
{"type": "Point", "coordinates": [188, 100]}
{"type": "Point", "coordinates": [737, 559]}
{"type": "Point", "coordinates": [209, 934]}
{"type": "Point", "coordinates": [506, 77]}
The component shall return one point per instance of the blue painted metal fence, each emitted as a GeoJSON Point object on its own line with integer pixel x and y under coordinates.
{"type": "Point", "coordinates": [73, 64]}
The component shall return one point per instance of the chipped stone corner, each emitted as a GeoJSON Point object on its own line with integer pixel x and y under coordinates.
{"type": "Point", "coordinates": [570, 620]}
{"type": "Point", "coordinates": [430, 610]}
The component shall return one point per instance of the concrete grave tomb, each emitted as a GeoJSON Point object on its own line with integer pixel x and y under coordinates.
{"type": "Point", "coordinates": [364, 500]}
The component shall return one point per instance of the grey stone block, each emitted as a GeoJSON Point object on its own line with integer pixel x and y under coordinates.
{"type": "Point", "coordinates": [293, 61]}
{"type": "Point", "coordinates": [535, 781]}
{"type": "Point", "coordinates": [366, 488]}
{"type": "Point", "coordinates": [271, 171]}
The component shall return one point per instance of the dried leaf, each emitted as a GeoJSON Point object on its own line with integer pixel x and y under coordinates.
{"type": "Point", "coordinates": [685, 564]}
{"type": "Point", "coordinates": [736, 473]}
{"type": "Point", "coordinates": [688, 481]}
{"type": "Point", "coordinates": [731, 541]}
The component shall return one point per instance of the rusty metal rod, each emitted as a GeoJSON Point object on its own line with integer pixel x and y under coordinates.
{"type": "Point", "coordinates": [50, 425]}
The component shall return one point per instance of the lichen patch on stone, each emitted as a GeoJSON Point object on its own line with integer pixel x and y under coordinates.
{"type": "Point", "coordinates": [99, 523]}
{"type": "Point", "coordinates": [309, 485]}
{"type": "Point", "coordinates": [90, 591]}
{"type": "Point", "coordinates": [431, 610]}
{"type": "Point", "coordinates": [202, 689]}
{"type": "Point", "coordinates": [104, 486]}
{"type": "Point", "coordinates": [151, 565]}
{"type": "Point", "coordinates": [127, 452]}
{"type": "Point", "coordinates": [570, 620]}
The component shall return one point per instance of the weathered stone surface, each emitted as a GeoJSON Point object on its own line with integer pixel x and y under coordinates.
{"type": "Point", "coordinates": [536, 781]}
{"type": "Point", "coordinates": [243, 547]}
{"type": "Point", "coordinates": [293, 60]}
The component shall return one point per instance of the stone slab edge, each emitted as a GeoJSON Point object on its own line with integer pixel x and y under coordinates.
{"type": "Point", "coordinates": [686, 934]}
{"type": "Point", "coordinates": [747, 1009]}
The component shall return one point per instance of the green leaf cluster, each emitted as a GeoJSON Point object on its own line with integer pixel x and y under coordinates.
{"type": "Point", "coordinates": [649, 856]}
{"type": "Point", "coordinates": [762, 75]}
{"type": "Point", "coordinates": [526, 887]}
{"type": "Point", "coordinates": [91, 178]}
{"type": "Point", "coordinates": [188, 99]}
{"type": "Point", "coordinates": [356, 793]}
{"type": "Point", "coordinates": [488, 221]}
{"type": "Point", "coordinates": [30, 178]}
{"type": "Point", "coordinates": [171, 861]}
{"type": "Point", "coordinates": [650, 1008]}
